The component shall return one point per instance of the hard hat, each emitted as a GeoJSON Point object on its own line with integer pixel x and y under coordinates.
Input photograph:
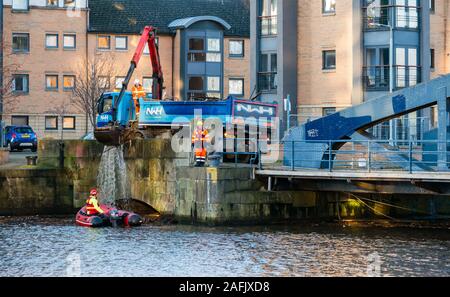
{"type": "Point", "coordinates": [199, 123]}
{"type": "Point", "coordinates": [93, 192]}
{"type": "Point", "coordinates": [137, 81]}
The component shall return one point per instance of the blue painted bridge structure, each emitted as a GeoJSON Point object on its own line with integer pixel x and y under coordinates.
{"type": "Point", "coordinates": [313, 144]}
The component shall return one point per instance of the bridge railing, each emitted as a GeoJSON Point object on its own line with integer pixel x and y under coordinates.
{"type": "Point", "coordinates": [359, 155]}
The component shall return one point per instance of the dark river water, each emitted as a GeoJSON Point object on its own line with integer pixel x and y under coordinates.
{"type": "Point", "coordinates": [55, 247]}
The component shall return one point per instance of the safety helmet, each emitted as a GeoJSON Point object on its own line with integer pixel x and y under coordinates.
{"type": "Point", "coordinates": [137, 82]}
{"type": "Point", "coordinates": [199, 123]}
{"type": "Point", "coordinates": [93, 192]}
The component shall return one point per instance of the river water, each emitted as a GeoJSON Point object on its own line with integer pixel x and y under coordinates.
{"type": "Point", "coordinates": [56, 247]}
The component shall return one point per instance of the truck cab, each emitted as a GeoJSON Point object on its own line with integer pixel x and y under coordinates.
{"type": "Point", "coordinates": [126, 111]}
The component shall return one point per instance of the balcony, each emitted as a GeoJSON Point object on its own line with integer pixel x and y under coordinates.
{"type": "Point", "coordinates": [376, 78]}
{"type": "Point", "coordinates": [402, 17]}
{"type": "Point", "coordinates": [268, 25]}
{"type": "Point", "coordinates": [267, 81]}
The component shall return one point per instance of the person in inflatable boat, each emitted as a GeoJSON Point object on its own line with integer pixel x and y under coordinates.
{"type": "Point", "coordinates": [92, 207]}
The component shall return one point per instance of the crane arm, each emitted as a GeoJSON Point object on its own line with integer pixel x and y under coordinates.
{"type": "Point", "coordinates": [148, 37]}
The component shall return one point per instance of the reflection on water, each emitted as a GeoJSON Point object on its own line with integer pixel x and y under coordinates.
{"type": "Point", "coordinates": [34, 247]}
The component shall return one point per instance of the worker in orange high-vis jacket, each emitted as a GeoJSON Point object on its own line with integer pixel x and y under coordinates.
{"type": "Point", "coordinates": [199, 141]}
{"type": "Point", "coordinates": [92, 207]}
{"type": "Point", "coordinates": [138, 92]}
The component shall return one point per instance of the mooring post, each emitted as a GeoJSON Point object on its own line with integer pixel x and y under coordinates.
{"type": "Point", "coordinates": [442, 147]}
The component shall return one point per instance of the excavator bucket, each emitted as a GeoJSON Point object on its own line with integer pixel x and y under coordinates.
{"type": "Point", "coordinates": [110, 136]}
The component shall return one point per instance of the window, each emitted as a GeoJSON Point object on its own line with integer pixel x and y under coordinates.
{"type": "Point", "coordinates": [214, 83]}
{"type": "Point", "coordinates": [329, 6]}
{"type": "Point", "coordinates": [329, 60]}
{"type": "Point", "coordinates": [267, 76]}
{"type": "Point", "coordinates": [52, 3]}
{"type": "Point", "coordinates": [122, 43]}
{"type": "Point", "coordinates": [196, 83]}
{"type": "Point", "coordinates": [432, 57]}
{"type": "Point", "coordinates": [328, 111]}
{"type": "Point", "coordinates": [196, 50]}
{"type": "Point", "coordinates": [21, 42]}
{"type": "Point", "coordinates": [69, 123]}
{"type": "Point", "coordinates": [104, 82]}
{"type": "Point", "coordinates": [69, 82]}
{"type": "Point", "coordinates": [51, 40]}
{"type": "Point", "coordinates": [20, 4]}
{"type": "Point", "coordinates": [20, 83]}
{"type": "Point", "coordinates": [119, 82]}
{"type": "Point", "coordinates": [69, 3]}
{"type": "Point", "coordinates": [70, 41]}
{"type": "Point", "coordinates": [432, 6]}
{"type": "Point", "coordinates": [103, 42]}
{"type": "Point", "coordinates": [147, 84]}
{"type": "Point", "coordinates": [407, 14]}
{"type": "Point", "coordinates": [236, 48]}
{"type": "Point", "coordinates": [51, 123]}
{"type": "Point", "coordinates": [214, 51]}
{"type": "Point", "coordinates": [236, 86]}
{"type": "Point", "coordinates": [19, 121]}
{"type": "Point", "coordinates": [51, 82]}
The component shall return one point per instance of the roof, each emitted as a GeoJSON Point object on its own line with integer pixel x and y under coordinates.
{"type": "Point", "coordinates": [187, 22]}
{"type": "Point", "coordinates": [130, 16]}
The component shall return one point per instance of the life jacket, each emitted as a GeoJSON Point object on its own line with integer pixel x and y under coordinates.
{"type": "Point", "coordinates": [90, 206]}
{"type": "Point", "coordinates": [199, 136]}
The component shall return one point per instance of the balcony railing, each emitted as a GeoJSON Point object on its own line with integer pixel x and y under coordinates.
{"type": "Point", "coordinates": [376, 78]}
{"type": "Point", "coordinates": [268, 25]}
{"type": "Point", "coordinates": [402, 17]}
{"type": "Point", "coordinates": [267, 81]}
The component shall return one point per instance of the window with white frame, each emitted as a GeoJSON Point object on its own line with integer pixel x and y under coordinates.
{"type": "Point", "coordinates": [20, 4]}
{"type": "Point", "coordinates": [51, 40]}
{"type": "Point", "coordinates": [236, 48]}
{"type": "Point", "coordinates": [70, 41]}
{"type": "Point", "coordinates": [236, 86]}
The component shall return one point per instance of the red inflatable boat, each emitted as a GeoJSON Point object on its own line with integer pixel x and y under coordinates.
{"type": "Point", "coordinates": [112, 217]}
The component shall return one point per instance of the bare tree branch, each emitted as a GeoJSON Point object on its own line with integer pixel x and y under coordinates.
{"type": "Point", "coordinates": [93, 78]}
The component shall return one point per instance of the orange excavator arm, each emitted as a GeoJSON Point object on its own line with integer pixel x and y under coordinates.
{"type": "Point", "coordinates": [148, 37]}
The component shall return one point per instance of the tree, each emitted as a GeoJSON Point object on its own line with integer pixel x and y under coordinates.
{"type": "Point", "coordinates": [92, 79]}
{"type": "Point", "coordinates": [10, 67]}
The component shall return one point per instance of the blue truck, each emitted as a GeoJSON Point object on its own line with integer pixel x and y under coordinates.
{"type": "Point", "coordinates": [159, 118]}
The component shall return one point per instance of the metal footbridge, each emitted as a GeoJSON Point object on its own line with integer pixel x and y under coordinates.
{"type": "Point", "coordinates": [315, 144]}
{"type": "Point", "coordinates": [340, 147]}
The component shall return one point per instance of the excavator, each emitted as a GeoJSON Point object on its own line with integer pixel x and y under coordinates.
{"type": "Point", "coordinates": [117, 122]}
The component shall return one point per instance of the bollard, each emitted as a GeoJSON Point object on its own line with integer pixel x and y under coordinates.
{"type": "Point", "coordinates": [32, 160]}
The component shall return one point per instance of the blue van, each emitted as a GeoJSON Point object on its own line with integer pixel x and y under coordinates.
{"type": "Point", "coordinates": [20, 138]}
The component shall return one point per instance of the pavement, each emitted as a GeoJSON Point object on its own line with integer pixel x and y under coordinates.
{"type": "Point", "coordinates": [17, 159]}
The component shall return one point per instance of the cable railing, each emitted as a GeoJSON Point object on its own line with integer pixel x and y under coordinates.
{"type": "Point", "coordinates": [359, 156]}
{"type": "Point", "coordinates": [380, 18]}
{"type": "Point", "coordinates": [377, 77]}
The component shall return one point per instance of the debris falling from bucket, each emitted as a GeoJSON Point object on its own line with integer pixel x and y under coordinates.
{"type": "Point", "coordinates": [112, 179]}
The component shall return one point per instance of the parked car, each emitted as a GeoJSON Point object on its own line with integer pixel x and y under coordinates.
{"type": "Point", "coordinates": [20, 138]}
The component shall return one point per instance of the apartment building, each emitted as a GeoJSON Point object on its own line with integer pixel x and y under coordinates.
{"type": "Point", "coordinates": [346, 52]}
{"type": "Point", "coordinates": [204, 50]}
{"type": "Point", "coordinates": [44, 42]}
